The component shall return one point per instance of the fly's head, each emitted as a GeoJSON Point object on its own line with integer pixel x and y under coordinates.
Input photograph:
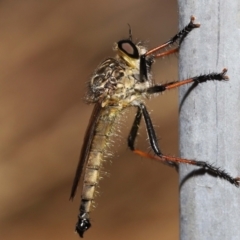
{"type": "Point", "coordinates": [123, 79]}
{"type": "Point", "coordinates": [134, 56]}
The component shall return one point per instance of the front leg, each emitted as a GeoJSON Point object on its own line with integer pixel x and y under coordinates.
{"type": "Point", "coordinates": [147, 59]}
{"type": "Point", "coordinates": [179, 37]}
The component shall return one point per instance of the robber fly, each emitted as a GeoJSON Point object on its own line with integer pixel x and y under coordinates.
{"type": "Point", "coordinates": [118, 83]}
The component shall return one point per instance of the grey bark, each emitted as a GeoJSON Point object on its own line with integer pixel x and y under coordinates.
{"type": "Point", "coordinates": [210, 120]}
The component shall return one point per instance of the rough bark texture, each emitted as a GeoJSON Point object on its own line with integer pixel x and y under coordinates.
{"type": "Point", "coordinates": [210, 120]}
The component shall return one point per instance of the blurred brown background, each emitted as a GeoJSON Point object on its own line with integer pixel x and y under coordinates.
{"type": "Point", "coordinates": [48, 50]}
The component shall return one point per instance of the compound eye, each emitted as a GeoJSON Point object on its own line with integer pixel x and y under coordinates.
{"type": "Point", "coordinates": [128, 48]}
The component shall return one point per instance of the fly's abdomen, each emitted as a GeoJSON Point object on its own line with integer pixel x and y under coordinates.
{"type": "Point", "coordinates": [97, 153]}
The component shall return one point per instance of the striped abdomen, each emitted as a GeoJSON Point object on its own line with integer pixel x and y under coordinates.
{"type": "Point", "coordinates": [98, 150]}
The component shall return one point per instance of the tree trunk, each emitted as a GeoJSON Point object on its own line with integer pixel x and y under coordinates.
{"type": "Point", "coordinates": [210, 120]}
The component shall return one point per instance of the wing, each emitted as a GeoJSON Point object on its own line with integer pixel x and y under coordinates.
{"type": "Point", "coordinates": [86, 146]}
